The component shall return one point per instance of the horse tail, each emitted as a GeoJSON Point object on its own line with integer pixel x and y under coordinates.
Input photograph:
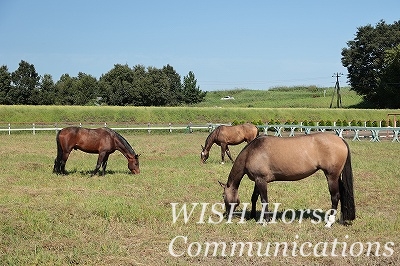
{"type": "Point", "coordinates": [57, 161]}
{"type": "Point", "coordinates": [346, 190]}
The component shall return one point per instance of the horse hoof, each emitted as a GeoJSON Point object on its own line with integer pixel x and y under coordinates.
{"type": "Point", "coordinates": [222, 163]}
{"type": "Point", "coordinates": [331, 220]}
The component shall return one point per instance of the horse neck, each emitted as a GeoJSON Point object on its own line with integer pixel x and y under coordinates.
{"type": "Point", "coordinates": [210, 140]}
{"type": "Point", "coordinates": [237, 171]}
{"type": "Point", "coordinates": [122, 147]}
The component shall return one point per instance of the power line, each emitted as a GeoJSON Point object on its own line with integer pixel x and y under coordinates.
{"type": "Point", "coordinates": [337, 89]}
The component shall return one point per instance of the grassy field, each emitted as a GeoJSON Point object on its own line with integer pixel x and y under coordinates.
{"type": "Point", "coordinates": [123, 219]}
{"type": "Point", "coordinates": [24, 116]}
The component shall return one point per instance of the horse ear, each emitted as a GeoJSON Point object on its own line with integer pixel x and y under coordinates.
{"type": "Point", "coordinates": [202, 147]}
{"type": "Point", "coordinates": [222, 184]}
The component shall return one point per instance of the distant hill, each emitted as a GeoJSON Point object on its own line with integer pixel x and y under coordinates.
{"type": "Point", "coordinates": [283, 97]}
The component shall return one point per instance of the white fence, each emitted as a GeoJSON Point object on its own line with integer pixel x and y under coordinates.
{"type": "Point", "coordinates": [374, 134]}
{"type": "Point", "coordinates": [36, 128]}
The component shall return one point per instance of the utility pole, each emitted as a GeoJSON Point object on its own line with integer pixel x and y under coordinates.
{"type": "Point", "coordinates": [337, 90]}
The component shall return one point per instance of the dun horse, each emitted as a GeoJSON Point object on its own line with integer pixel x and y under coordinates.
{"type": "Point", "coordinates": [228, 135]}
{"type": "Point", "coordinates": [102, 141]}
{"type": "Point", "coordinates": [268, 159]}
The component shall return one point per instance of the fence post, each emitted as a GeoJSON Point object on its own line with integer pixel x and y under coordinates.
{"type": "Point", "coordinates": [33, 128]}
{"type": "Point", "coordinates": [148, 128]}
{"type": "Point", "coordinates": [9, 129]}
{"type": "Point", "coordinates": [170, 128]}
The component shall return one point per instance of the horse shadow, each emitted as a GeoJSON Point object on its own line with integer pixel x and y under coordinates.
{"type": "Point", "coordinates": [89, 173]}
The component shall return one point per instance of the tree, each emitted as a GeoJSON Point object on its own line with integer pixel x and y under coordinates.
{"type": "Point", "coordinates": [174, 84]}
{"type": "Point", "coordinates": [5, 85]}
{"type": "Point", "coordinates": [116, 86]}
{"type": "Point", "coordinates": [191, 92]}
{"type": "Point", "coordinates": [389, 85]}
{"type": "Point", "coordinates": [364, 59]}
{"type": "Point", "coordinates": [24, 81]}
{"type": "Point", "coordinates": [156, 91]}
{"type": "Point", "coordinates": [45, 95]}
{"type": "Point", "coordinates": [64, 92]}
{"type": "Point", "coordinates": [85, 89]}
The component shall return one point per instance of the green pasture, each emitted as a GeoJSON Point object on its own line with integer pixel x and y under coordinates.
{"type": "Point", "coordinates": [123, 219]}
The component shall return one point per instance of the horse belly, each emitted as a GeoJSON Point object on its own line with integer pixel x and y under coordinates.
{"type": "Point", "coordinates": [87, 148]}
{"type": "Point", "coordinates": [293, 174]}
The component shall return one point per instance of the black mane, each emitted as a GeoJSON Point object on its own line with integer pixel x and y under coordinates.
{"type": "Point", "coordinates": [123, 140]}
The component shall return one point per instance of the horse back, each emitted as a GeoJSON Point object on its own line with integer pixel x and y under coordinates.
{"type": "Point", "coordinates": [87, 140]}
{"type": "Point", "coordinates": [295, 158]}
{"type": "Point", "coordinates": [233, 135]}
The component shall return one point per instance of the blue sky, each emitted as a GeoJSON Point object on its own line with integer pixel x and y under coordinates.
{"type": "Point", "coordinates": [227, 44]}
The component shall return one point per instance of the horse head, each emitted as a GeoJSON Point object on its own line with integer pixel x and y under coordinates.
{"type": "Point", "coordinates": [204, 154]}
{"type": "Point", "coordinates": [231, 198]}
{"type": "Point", "coordinates": [133, 164]}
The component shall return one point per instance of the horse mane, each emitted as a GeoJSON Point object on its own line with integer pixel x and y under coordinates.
{"type": "Point", "coordinates": [122, 140]}
{"type": "Point", "coordinates": [212, 134]}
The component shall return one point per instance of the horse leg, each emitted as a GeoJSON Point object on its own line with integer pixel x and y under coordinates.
{"type": "Point", "coordinates": [228, 152]}
{"type": "Point", "coordinates": [223, 149]}
{"type": "Point", "coordinates": [104, 163]}
{"type": "Point", "coordinates": [261, 186]}
{"type": "Point", "coordinates": [63, 162]}
{"type": "Point", "coordinates": [99, 162]}
{"type": "Point", "coordinates": [56, 168]}
{"type": "Point", "coordinates": [254, 199]}
{"type": "Point", "coordinates": [333, 184]}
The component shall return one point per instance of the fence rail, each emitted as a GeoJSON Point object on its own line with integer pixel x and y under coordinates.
{"type": "Point", "coordinates": [375, 134]}
{"type": "Point", "coordinates": [35, 128]}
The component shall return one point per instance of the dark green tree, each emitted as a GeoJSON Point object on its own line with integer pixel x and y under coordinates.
{"type": "Point", "coordinates": [86, 89]}
{"type": "Point", "coordinates": [364, 59]}
{"type": "Point", "coordinates": [191, 92]}
{"type": "Point", "coordinates": [25, 81]}
{"type": "Point", "coordinates": [389, 85]}
{"type": "Point", "coordinates": [5, 85]}
{"type": "Point", "coordinates": [45, 94]}
{"type": "Point", "coordinates": [116, 86]}
{"type": "Point", "coordinates": [156, 88]}
{"type": "Point", "coordinates": [64, 90]}
{"type": "Point", "coordinates": [175, 86]}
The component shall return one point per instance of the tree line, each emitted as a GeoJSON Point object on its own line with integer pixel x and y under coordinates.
{"type": "Point", "coordinates": [122, 85]}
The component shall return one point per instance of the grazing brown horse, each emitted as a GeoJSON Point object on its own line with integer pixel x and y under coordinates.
{"type": "Point", "coordinates": [228, 135]}
{"type": "Point", "coordinates": [102, 141]}
{"type": "Point", "coordinates": [268, 159]}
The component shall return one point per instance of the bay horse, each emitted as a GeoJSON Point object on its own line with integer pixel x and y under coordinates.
{"type": "Point", "coordinates": [267, 159]}
{"type": "Point", "coordinates": [228, 135]}
{"type": "Point", "coordinates": [102, 141]}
